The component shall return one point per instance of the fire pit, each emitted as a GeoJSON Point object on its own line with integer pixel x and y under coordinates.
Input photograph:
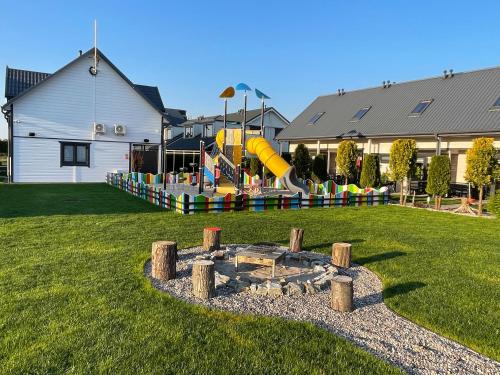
{"type": "Point", "coordinates": [260, 255]}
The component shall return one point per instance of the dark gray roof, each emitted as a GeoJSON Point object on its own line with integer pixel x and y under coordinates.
{"type": "Point", "coordinates": [189, 144]}
{"type": "Point", "coordinates": [461, 104]}
{"type": "Point", "coordinates": [175, 116]}
{"type": "Point", "coordinates": [17, 80]}
{"type": "Point", "coordinates": [22, 81]}
{"type": "Point", "coordinates": [153, 94]}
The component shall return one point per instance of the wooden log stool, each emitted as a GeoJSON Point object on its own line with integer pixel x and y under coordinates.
{"type": "Point", "coordinates": [203, 279]}
{"type": "Point", "coordinates": [296, 238]}
{"type": "Point", "coordinates": [341, 254]}
{"type": "Point", "coordinates": [163, 258]}
{"type": "Point", "coordinates": [211, 238]}
{"type": "Point", "coordinates": [342, 294]}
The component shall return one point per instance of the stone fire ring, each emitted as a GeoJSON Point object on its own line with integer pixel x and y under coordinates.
{"type": "Point", "coordinates": [371, 326]}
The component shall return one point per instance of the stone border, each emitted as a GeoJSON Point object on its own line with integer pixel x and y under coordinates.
{"type": "Point", "coordinates": [318, 263]}
{"type": "Point", "coordinates": [372, 326]}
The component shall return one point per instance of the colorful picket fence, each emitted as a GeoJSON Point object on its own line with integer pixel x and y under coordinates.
{"type": "Point", "coordinates": [190, 204]}
{"type": "Point", "coordinates": [155, 179]}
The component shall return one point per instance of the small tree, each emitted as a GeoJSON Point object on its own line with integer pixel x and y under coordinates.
{"type": "Point", "coordinates": [370, 171]}
{"type": "Point", "coordinates": [402, 161]}
{"type": "Point", "coordinates": [302, 161]}
{"type": "Point", "coordinates": [347, 154]}
{"type": "Point", "coordinates": [439, 178]}
{"type": "Point", "coordinates": [319, 168]}
{"type": "Point", "coordinates": [481, 161]}
{"type": "Point", "coordinates": [254, 166]}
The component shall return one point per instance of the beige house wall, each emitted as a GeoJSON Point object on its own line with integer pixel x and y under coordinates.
{"type": "Point", "coordinates": [453, 146]}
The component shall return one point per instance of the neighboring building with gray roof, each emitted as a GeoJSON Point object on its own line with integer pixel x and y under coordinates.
{"type": "Point", "coordinates": [443, 114]}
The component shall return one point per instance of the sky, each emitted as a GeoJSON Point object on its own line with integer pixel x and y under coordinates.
{"type": "Point", "coordinates": [291, 50]}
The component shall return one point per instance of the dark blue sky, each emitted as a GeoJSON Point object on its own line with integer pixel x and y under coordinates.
{"type": "Point", "coordinates": [291, 50]}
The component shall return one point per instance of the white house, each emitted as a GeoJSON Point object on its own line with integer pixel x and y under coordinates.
{"type": "Point", "coordinates": [78, 123]}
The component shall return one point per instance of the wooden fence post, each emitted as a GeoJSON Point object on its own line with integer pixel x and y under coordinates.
{"type": "Point", "coordinates": [163, 258]}
{"type": "Point", "coordinates": [341, 254]}
{"type": "Point", "coordinates": [203, 279]}
{"type": "Point", "coordinates": [342, 294]}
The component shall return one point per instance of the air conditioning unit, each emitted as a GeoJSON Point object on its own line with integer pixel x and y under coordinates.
{"type": "Point", "coordinates": [99, 128]}
{"type": "Point", "coordinates": [120, 129]}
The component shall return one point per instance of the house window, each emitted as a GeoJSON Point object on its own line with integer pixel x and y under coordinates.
{"type": "Point", "coordinates": [359, 115]}
{"type": "Point", "coordinates": [209, 131]}
{"type": "Point", "coordinates": [75, 154]}
{"type": "Point", "coordinates": [315, 118]}
{"type": "Point", "coordinates": [496, 105]}
{"type": "Point", "coordinates": [169, 133]}
{"type": "Point", "coordinates": [420, 108]}
{"type": "Point", "coordinates": [188, 132]}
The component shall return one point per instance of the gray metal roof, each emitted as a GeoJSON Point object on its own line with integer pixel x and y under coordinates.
{"type": "Point", "coordinates": [175, 116]}
{"type": "Point", "coordinates": [17, 80]}
{"type": "Point", "coordinates": [460, 104]}
{"type": "Point", "coordinates": [153, 94]}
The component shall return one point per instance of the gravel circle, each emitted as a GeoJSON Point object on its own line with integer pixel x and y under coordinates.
{"type": "Point", "coordinates": [372, 325]}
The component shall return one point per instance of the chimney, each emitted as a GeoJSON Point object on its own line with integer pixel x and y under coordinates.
{"type": "Point", "coordinates": [339, 93]}
{"type": "Point", "coordinates": [451, 73]}
{"type": "Point", "coordinates": [343, 92]}
{"type": "Point", "coordinates": [445, 73]}
{"type": "Point", "coordinates": [80, 52]}
{"type": "Point", "coordinates": [383, 84]}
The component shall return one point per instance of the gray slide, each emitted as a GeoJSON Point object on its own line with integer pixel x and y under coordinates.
{"type": "Point", "coordinates": [292, 183]}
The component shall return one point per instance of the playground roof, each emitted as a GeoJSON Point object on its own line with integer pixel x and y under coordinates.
{"type": "Point", "coordinates": [453, 104]}
{"type": "Point", "coordinates": [189, 144]}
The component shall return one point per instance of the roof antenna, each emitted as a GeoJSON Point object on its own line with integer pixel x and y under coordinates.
{"type": "Point", "coordinates": [93, 68]}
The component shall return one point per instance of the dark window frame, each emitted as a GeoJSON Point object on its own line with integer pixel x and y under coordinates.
{"type": "Point", "coordinates": [413, 113]}
{"type": "Point", "coordinates": [74, 162]}
{"type": "Point", "coordinates": [496, 105]}
{"type": "Point", "coordinates": [364, 110]}
{"type": "Point", "coordinates": [314, 119]}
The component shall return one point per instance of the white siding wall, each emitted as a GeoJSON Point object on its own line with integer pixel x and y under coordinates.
{"type": "Point", "coordinates": [38, 160]}
{"type": "Point", "coordinates": [63, 108]}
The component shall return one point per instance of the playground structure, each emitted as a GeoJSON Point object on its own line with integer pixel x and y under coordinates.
{"type": "Point", "coordinates": [228, 164]}
{"type": "Point", "coordinates": [233, 146]}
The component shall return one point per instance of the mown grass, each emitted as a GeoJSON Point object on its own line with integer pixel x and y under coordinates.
{"type": "Point", "coordinates": [74, 298]}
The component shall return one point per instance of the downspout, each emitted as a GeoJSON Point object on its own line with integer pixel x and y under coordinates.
{"type": "Point", "coordinates": [8, 114]}
{"type": "Point", "coordinates": [438, 144]}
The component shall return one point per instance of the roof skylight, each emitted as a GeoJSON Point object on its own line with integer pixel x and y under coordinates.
{"type": "Point", "coordinates": [420, 108]}
{"type": "Point", "coordinates": [315, 118]}
{"type": "Point", "coordinates": [496, 105]}
{"type": "Point", "coordinates": [359, 115]}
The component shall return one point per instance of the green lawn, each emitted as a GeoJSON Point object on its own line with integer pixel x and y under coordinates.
{"type": "Point", "coordinates": [74, 298]}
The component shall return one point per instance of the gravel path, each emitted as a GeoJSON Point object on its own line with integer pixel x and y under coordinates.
{"type": "Point", "coordinates": [371, 326]}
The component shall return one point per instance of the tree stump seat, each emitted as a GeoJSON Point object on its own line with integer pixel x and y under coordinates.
{"type": "Point", "coordinates": [211, 238]}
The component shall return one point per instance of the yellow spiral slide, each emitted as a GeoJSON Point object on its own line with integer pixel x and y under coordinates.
{"type": "Point", "coordinates": [271, 159]}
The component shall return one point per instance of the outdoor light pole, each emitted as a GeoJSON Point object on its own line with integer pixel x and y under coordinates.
{"type": "Point", "coordinates": [262, 97]}
{"type": "Point", "coordinates": [243, 87]}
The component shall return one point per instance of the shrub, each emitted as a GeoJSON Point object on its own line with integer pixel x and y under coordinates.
{"type": "Point", "coordinates": [254, 166]}
{"type": "Point", "coordinates": [287, 157]}
{"type": "Point", "coordinates": [370, 171]}
{"type": "Point", "coordinates": [494, 204]}
{"type": "Point", "coordinates": [302, 161]}
{"type": "Point", "coordinates": [439, 178]}
{"type": "Point", "coordinates": [402, 161]}
{"type": "Point", "coordinates": [319, 168]}
{"type": "Point", "coordinates": [347, 154]}
{"type": "Point", "coordinates": [481, 163]}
